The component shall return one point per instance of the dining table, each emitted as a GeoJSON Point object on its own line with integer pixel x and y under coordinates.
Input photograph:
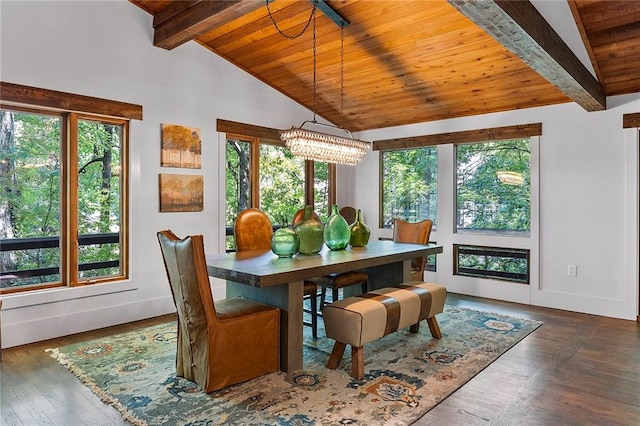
{"type": "Point", "coordinates": [267, 278]}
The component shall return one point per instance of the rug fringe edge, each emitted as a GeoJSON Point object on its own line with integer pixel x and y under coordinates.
{"type": "Point", "coordinates": [104, 397]}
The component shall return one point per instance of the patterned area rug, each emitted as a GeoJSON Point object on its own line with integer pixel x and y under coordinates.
{"type": "Point", "coordinates": [405, 376]}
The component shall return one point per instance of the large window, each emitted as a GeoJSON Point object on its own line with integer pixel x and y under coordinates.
{"type": "Point", "coordinates": [494, 187]}
{"type": "Point", "coordinates": [494, 194]}
{"type": "Point", "coordinates": [63, 208]}
{"type": "Point", "coordinates": [409, 185]}
{"type": "Point", "coordinates": [267, 176]}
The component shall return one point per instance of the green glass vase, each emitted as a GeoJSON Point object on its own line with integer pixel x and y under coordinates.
{"type": "Point", "coordinates": [336, 231]}
{"type": "Point", "coordinates": [285, 242]}
{"type": "Point", "coordinates": [310, 232]}
{"type": "Point", "coordinates": [360, 232]}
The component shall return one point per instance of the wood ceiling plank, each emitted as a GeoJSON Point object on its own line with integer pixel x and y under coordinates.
{"type": "Point", "coordinates": [605, 15]}
{"type": "Point", "coordinates": [385, 33]}
{"type": "Point", "coordinates": [480, 100]}
{"type": "Point", "coordinates": [520, 27]}
{"type": "Point", "coordinates": [474, 58]}
{"type": "Point", "coordinates": [251, 28]}
{"type": "Point", "coordinates": [615, 40]}
{"type": "Point", "coordinates": [198, 19]}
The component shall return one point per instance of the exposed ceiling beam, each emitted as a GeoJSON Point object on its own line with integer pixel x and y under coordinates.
{"type": "Point", "coordinates": [199, 18]}
{"type": "Point", "coordinates": [519, 27]}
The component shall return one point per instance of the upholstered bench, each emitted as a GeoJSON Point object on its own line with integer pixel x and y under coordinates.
{"type": "Point", "coordinates": [359, 320]}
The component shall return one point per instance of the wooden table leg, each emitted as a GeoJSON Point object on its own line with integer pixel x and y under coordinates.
{"type": "Point", "coordinates": [287, 297]}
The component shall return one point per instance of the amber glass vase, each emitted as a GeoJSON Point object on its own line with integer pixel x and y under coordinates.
{"type": "Point", "coordinates": [310, 232]}
{"type": "Point", "coordinates": [336, 231]}
{"type": "Point", "coordinates": [360, 232]}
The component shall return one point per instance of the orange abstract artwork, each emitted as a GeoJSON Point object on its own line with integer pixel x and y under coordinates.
{"type": "Point", "coordinates": [181, 193]}
{"type": "Point", "coordinates": [181, 146]}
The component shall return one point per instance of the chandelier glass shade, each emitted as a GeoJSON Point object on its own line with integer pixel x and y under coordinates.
{"type": "Point", "coordinates": [312, 145]}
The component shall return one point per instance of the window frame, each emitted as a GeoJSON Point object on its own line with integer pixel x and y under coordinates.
{"type": "Point", "coordinates": [255, 141]}
{"type": "Point", "coordinates": [381, 212]}
{"type": "Point", "coordinates": [71, 108]}
{"type": "Point", "coordinates": [496, 232]}
{"type": "Point", "coordinates": [447, 205]}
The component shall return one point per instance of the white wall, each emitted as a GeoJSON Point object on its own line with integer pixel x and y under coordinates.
{"type": "Point", "coordinates": [588, 207]}
{"type": "Point", "coordinates": [104, 49]}
{"type": "Point", "coordinates": [588, 165]}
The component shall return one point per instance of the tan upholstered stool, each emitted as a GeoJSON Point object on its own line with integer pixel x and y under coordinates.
{"type": "Point", "coordinates": [361, 319]}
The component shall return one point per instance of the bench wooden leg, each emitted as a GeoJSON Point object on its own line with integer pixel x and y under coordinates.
{"type": "Point", "coordinates": [357, 362]}
{"type": "Point", "coordinates": [434, 328]}
{"type": "Point", "coordinates": [415, 327]}
{"type": "Point", "coordinates": [336, 355]}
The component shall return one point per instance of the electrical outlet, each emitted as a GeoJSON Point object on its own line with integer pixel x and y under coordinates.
{"type": "Point", "coordinates": [572, 270]}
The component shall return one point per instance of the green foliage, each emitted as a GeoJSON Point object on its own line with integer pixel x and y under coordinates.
{"type": "Point", "coordinates": [484, 202]}
{"type": "Point", "coordinates": [237, 178]}
{"type": "Point", "coordinates": [98, 153]}
{"type": "Point", "coordinates": [281, 183]}
{"type": "Point", "coordinates": [409, 185]}
{"type": "Point", "coordinates": [33, 188]}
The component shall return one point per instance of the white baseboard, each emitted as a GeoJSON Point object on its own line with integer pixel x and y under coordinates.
{"type": "Point", "coordinates": [30, 331]}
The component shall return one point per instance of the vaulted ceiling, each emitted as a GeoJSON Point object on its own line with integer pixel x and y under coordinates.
{"type": "Point", "coordinates": [414, 61]}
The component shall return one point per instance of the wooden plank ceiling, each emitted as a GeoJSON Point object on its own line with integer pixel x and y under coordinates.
{"type": "Point", "coordinates": [415, 61]}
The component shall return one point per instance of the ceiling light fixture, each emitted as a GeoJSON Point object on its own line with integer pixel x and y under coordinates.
{"type": "Point", "coordinates": [320, 146]}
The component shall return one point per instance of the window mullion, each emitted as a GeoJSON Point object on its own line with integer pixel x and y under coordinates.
{"type": "Point", "coordinates": [309, 177]}
{"type": "Point", "coordinates": [254, 175]}
{"type": "Point", "coordinates": [70, 194]}
{"type": "Point", "coordinates": [332, 185]}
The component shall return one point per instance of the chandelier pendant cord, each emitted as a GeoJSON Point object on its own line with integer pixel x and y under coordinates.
{"type": "Point", "coordinates": [315, 100]}
{"type": "Point", "coordinates": [342, 77]}
{"type": "Point", "coordinates": [311, 144]}
{"type": "Point", "coordinates": [292, 37]}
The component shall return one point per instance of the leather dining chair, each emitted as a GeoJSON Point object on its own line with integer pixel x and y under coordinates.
{"type": "Point", "coordinates": [336, 281]}
{"type": "Point", "coordinates": [416, 233]}
{"type": "Point", "coordinates": [252, 230]}
{"type": "Point", "coordinates": [299, 215]}
{"type": "Point", "coordinates": [349, 214]}
{"type": "Point", "coordinates": [219, 343]}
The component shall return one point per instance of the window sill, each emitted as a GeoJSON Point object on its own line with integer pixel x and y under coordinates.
{"type": "Point", "coordinates": [16, 301]}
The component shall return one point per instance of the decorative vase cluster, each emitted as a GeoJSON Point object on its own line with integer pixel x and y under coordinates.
{"type": "Point", "coordinates": [309, 235]}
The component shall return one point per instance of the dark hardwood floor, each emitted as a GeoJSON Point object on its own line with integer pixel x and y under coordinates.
{"type": "Point", "coordinates": [576, 369]}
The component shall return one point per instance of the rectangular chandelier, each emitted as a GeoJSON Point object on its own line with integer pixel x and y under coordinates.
{"type": "Point", "coordinates": [312, 145]}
